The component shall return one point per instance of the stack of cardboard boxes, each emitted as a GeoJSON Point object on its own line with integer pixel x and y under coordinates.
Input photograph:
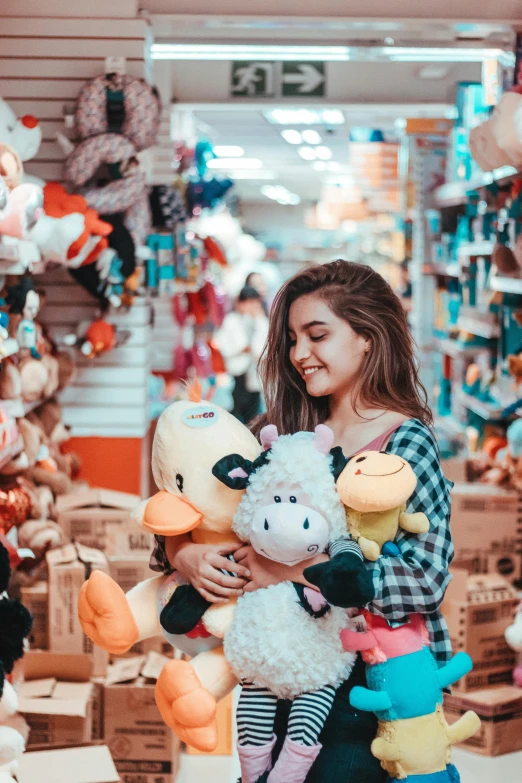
{"type": "Point", "coordinates": [73, 695]}
{"type": "Point", "coordinates": [480, 603]}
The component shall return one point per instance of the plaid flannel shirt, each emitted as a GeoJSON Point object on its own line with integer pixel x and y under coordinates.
{"type": "Point", "coordinates": [417, 581]}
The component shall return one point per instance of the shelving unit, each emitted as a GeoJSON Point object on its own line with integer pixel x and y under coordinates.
{"type": "Point", "coordinates": [474, 325]}
{"type": "Point", "coordinates": [453, 348]}
{"type": "Point", "coordinates": [454, 193]}
{"type": "Point", "coordinates": [476, 249]}
{"type": "Point", "coordinates": [506, 285]}
{"type": "Point", "coordinates": [442, 270]}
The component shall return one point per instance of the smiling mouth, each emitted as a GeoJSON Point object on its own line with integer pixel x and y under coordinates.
{"type": "Point", "coordinates": [310, 370]}
{"type": "Point", "coordinates": [284, 562]}
{"type": "Point", "coordinates": [378, 475]}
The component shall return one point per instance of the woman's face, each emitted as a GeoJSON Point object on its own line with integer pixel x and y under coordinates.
{"type": "Point", "coordinates": [325, 350]}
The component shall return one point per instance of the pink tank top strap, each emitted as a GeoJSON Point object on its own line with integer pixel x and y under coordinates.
{"type": "Point", "coordinates": [377, 444]}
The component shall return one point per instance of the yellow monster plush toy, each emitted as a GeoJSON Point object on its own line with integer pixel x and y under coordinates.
{"type": "Point", "coordinates": [374, 487]}
{"type": "Point", "coordinates": [190, 438]}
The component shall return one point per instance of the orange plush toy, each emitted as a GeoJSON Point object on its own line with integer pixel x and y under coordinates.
{"type": "Point", "coordinates": [190, 438]}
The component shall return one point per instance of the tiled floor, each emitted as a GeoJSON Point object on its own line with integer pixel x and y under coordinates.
{"type": "Point", "coordinates": [473, 768]}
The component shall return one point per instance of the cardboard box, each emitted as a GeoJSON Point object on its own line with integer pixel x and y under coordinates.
{"type": "Point", "coordinates": [72, 765]}
{"type": "Point", "coordinates": [500, 713]}
{"type": "Point", "coordinates": [69, 567]}
{"type": "Point", "coordinates": [101, 518]}
{"type": "Point", "coordinates": [225, 721]}
{"type": "Point", "coordinates": [144, 749]}
{"type": "Point", "coordinates": [486, 527]}
{"type": "Point", "coordinates": [478, 609]}
{"type": "Point", "coordinates": [35, 599]}
{"type": "Point", "coordinates": [56, 698]}
{"type": "Point", "coordinates": [455, 469]}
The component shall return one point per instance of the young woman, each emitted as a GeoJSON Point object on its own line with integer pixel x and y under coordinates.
{"type": "Point", "coordinates": [339, 352]}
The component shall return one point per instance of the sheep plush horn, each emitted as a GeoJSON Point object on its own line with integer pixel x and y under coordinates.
{"type": "Point", "coordinates": [323, 439]}
{"type": "Point", "coordinates": [268, 436]}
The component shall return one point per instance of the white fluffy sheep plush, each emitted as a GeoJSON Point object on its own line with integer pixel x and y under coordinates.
{"type": "Point", "coordinates": [284, 640]}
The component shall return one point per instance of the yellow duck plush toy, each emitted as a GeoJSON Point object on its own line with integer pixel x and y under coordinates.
{"type": "Point", "coordinates": [374, 487]}
{"type": "Point", "coordinates": [190, 438]}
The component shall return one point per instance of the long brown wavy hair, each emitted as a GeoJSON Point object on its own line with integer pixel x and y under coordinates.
{"type": "Point", "coordinates": [389, 376]}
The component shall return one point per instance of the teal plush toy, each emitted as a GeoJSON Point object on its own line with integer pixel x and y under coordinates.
{"type": "Point", "coordinates": [405, 689]}
{"type": "Point", "coordinates": [403, 678]}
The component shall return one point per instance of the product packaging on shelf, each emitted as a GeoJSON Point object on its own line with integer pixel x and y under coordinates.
{"type": "Point", "coordinates": [68, 569]}
{"type": "Point", "coordinates": [56, 699]}
{"type": "Point", "coordinates": [142, 746]}
{"type": "Point", "coordinates": [486, 527]}
{"type": "Point", "coordinates": [69, 765]}
{"type": "Point", "coordinates": [101, 518]}
{"type": "Point", "coordinates": [478, 609]}
{"type": "Point", "coordinates": [500, 713]}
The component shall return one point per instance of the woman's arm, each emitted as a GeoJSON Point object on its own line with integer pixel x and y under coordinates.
{"type": "Point", "coordinates": [417, 581]}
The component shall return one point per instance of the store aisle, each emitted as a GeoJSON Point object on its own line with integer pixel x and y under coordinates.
{"type": "Point", "coordinates": [472, 768]}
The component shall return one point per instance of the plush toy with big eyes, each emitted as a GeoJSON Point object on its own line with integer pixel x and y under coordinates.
{"type": "Point", "coordinates": [374, 487]}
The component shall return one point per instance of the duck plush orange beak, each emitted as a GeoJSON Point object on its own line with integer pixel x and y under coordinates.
{"type": "Point", "coordinates": [167, 515]}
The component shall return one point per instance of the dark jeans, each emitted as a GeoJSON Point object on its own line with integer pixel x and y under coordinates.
{"type": "Point", "coordinates": [246, 403]}
{"type": "Point", "coordinates": [346, 738]}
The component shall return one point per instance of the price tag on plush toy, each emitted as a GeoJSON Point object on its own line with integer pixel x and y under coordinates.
{"type": "Point", "coordinates": [200, 417]}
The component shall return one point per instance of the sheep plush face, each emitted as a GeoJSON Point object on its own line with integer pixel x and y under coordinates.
{"type": "Point", "coordinates": [375, 481]}
{"type": "Point", "coordinates": [290, 510]}
{"type": "Point", "coordinates": [25, 135]}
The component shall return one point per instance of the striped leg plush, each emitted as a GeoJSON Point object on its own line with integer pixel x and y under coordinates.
{"type": "Point", "coordinates": [308, 715]}
{"type": "Point", "coordinates": [256, 713]}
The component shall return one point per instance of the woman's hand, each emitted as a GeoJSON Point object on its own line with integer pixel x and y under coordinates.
{"type": "Point", "coordinates": [265, 572]}
{"type": "Point", "coordinates": [200, 565]}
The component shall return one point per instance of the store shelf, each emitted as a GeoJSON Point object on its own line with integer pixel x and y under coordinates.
{"type": "Point", "coordinates": [455, 193]}
{"type": "Point", "coordinates": [475, 249]}
{"type": "Point", "coordinates": [486, 410]}
{"type": "Point", "coordinates": [506, 285]}
{"type": "Point", "coordinates": [442, 270]}
{"type": "Point", "coordinates": [450, 425]}
{"type": "Point", "coordinates": [455, 349]}
{"type": "Point", "coordinates": [486, 329]}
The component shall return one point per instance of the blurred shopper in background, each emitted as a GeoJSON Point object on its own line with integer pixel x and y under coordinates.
{"type": "Point", "coordinates": [240, 340]}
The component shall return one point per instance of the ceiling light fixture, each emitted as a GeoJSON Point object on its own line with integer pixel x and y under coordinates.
{"type": "Point", "coordinates": [305, 116]}
{"type": "Point", "coordinates": [244, 174]}
{"type": "Point", "coordinates": [311, 136]}
{"type": "Point", "coordinates": [232, 151]}
{"type": "Point", "coordinates": [292, 136]}
{"type": "Point", "coordinates": [307, 153]}
{"type": "Point", "coordinates": [290, 53]}
{"type": "Point", "coordinates": [238, 163]}
{"type": "Point", "coordinates": [323, 153]}
{"type": "Point", "coordinates": [280, 194]}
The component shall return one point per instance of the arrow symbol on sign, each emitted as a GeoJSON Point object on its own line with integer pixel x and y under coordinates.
{"type": "Point", "coordinates": [308, 79]}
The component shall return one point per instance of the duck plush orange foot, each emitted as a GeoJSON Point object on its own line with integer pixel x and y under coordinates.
{"type": "Point", "coordinates": [191, 437]}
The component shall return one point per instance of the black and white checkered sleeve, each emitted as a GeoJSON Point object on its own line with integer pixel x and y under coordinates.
{"type": "Point", "coordinates": [158, 559]}
{"type": "Point", "coordinates": [417, 581]}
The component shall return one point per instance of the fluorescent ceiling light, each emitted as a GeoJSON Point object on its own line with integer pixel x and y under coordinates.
{"type": "Point", "coordinates": [433, 71]}
{"type": "Point", "coordinates": [261, 52]}
{"type": "Point", "coordinates": [307, 153]}
{"type": "Point", "coordinates": [305, 116]}
{"type": "Point", "coordinates": [280, 194]}
{"type": "Point", "coordinates": [311, 136]}
{"type": "Point", "coordinates": [242, 174]}
{"type": "Point", "coordinates": [323, 153]}
{"type": "Point", "coordinates": [319, 165]}
{"type": "Point", "coordinates": [279, 53]}
{"type": "Point", "coordinates": [229, 152]}
{"type": "Point", "coordinates": [238, 163]}
{"type": "Point", "coordinates": [292, 136]}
